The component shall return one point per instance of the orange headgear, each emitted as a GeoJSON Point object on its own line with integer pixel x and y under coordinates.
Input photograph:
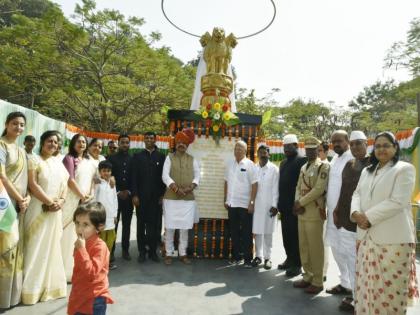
{"type": "Point", "coordinates": [185, 136]}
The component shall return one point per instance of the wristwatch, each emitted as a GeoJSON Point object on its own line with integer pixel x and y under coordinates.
{"type": "Point", "coordinates": [252, 202]}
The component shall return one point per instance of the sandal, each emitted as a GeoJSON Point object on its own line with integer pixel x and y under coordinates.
{"type": "Point", "coordinates": [347, 305]}
{"type": "Point", "coordinates": [338, 290]}
{"type": "Point", "coordinates": [347, 299]}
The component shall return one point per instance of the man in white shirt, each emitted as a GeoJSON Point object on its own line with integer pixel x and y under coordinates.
{"type": "Point", "coordinates": [340, 142]}
{"type": "Point", "coordinates": [264, 220]}
{"type": "Point", "coordinates": [241, 184]}
{"type": "Point", "coordinates": [181, 175]}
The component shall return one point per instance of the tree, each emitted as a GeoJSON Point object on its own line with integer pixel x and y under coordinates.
{"type": "Point", "coordinates": [407, 54]}
{"type": "Point", "coordinates": [100, 73]}
{"type": "Point", "coordinates": [29, 8]}
{"type": "Point", "coordinates": [385, 106]}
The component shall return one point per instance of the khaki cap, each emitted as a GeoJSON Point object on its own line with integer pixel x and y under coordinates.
{"type": "Point", "coordinates": [311, 143]}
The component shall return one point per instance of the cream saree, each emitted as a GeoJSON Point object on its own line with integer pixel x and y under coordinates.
{"type": "Point", "coordinates": [386, 280]}
{"type": "Point", "coordinates": [11, 244]}
{"type": "Point", "coordinates": [84, 174]}
{"type": "Point", "coordinates": [43, 274]}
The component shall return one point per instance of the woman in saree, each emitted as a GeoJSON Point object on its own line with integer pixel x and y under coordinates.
{"type": "Point", "coordinates": [381, 207]}
{"type": "Point", "coordinates": [14, 177]}
{"type": "Point", "coordinates": [80, 183]}
{"type": "Point", "coordinates": [43, 273]}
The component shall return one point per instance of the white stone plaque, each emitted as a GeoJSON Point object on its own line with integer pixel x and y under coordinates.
{"type": "Point", "coordinates": [213, 159]}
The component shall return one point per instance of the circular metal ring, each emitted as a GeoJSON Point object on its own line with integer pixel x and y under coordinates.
{"type": "Point", "coordinates": [240, 37]}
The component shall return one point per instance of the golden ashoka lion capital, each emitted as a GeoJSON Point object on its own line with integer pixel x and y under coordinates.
{"type": "Point", "coordinates": [212, 81]}
{"type": "Point", "coordinates": [217, 54]}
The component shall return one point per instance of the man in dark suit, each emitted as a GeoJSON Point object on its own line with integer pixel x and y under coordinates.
{"type": "Point", "coordinates": [289, 175]}
{"type": "Point", "coordinates": [148, 188]}
{"type": "Point", "coordinates": [120, 169]}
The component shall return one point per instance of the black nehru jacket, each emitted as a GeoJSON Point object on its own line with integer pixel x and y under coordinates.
{"type": "Point", "coordinates": [146, 180]}
{"type": "Point", "coordinates": [289, 175]}
{"type": "Point", "coordinates": [120, 169]}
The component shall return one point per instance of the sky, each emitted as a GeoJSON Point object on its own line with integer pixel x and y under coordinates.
{"type": "Point", "coordinates": [324, 50]}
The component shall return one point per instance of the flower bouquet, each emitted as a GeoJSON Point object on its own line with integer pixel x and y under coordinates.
{"type": "Point", "coordinates": [216, 116]}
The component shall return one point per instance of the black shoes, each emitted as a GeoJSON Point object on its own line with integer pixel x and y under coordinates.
{"type": "Point", "coordinates": [142, 257]}
{"type": "Point", "coordinates": [235, 262]}
{"type": "Point", "coordinates": [293, 272]}
{"type": "Point", "coordinates": [284, 266]}
{"type": "Point", "coordinates": [256, 262]}
{"type": "Point", "coordinates": [248, 264]}
{"type": "Point", "coordinates": [126, 256]}
{"type": "Point", "coordinates": [154, 257]}
{"type": "Point", "coordinates": [267, 264]}
{"type": "Point", "coordinates": [112, 266]}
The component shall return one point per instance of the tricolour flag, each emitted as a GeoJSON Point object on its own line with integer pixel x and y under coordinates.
{"type": "Point", "coordinates": [7, 212]}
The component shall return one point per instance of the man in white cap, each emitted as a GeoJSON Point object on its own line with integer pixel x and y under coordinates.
{"type": "Point", "coordinates": [289, 174]}
{"type": "Point", "coordinates": [347, 229]}
{"type": "Point", "coordinates": [340, 142]}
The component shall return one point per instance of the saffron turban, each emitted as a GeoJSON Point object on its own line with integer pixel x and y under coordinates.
{"type": "Point", "coordinates": [185, 136]}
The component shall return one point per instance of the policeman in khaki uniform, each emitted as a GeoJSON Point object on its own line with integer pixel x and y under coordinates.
{"type": "Point", "coordinates": [310, 208]}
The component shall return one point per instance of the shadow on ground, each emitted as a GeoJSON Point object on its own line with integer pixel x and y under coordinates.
{"type": "Point", "coordinates": [205, 287]}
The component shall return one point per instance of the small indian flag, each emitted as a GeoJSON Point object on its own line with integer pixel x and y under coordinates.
{"type": "Point", "coordinates": [7, 212]}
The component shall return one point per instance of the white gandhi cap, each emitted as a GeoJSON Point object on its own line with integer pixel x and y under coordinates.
{"type": "Point", "coordinates": [291, 138]}
{"type": "Point", "coordinates": [357, 135]}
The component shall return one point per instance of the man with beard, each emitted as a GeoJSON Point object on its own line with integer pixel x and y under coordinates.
{"type": "Point", "coordinates": [340, 142]}
{"type": "Point", "coordinates": [112, 148]}
{"type": "Point", "coordinates": [347, 229]}
{"type": "Point", "coordinates": [120, 169]}
{"type": "Point", "coordinates": [310, 209]}
{"type": "Point", "coordinates": [148, 189]}
{"type": "Point", "coordinates": [289, 174]}
{"type": "Point", "coordinates": [264, 220]}
{"type": "Point", "coordinates": [181, 175]}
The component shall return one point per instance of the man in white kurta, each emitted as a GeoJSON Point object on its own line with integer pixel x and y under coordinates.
{"type": "Point", "coordinates": [181, 175]}
{"type": "Point", "coordinates": [340, 142]}
{"type": "Point", "coordinates": [264, 220]}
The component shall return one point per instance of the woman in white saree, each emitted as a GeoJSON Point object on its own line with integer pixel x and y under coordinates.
{"type": "Point", "coordinates": [14, 177]}
{"type": "Point", "coordinates": [80, 183]}
{"type": "Point", "coordinates": [43, 273]}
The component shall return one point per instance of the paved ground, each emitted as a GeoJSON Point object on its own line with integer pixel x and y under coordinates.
{"type": "Point", "coordinates": [205, 287]}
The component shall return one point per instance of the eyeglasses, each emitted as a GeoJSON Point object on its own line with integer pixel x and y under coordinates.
{"type": "Point", "coordinates": [384, 146]}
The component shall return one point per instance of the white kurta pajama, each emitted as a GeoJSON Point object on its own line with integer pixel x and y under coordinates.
{"type": "Point", "coordinates": [267, 197]}
{"type": "Point", "coordinates": [333, 235]}
{"type": "Point", "coordinates": [178, 214]}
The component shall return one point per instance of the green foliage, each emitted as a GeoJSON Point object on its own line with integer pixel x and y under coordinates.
{"type": "Point", "coordinates": [99, 73]}
{"type": "Point", "coordinates": [298, 116]}
{"type": "Point", "coordinates": [386, 106]}
{"type": "Point", "coordinates": [29, 8]}
{"type": "Point", "coordinates": [407, 54]}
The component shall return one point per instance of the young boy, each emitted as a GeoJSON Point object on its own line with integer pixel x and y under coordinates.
{"type": "Point", "coordinates": [107, 196]}
{"type": "Point", "coordinates": [89, 292]}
